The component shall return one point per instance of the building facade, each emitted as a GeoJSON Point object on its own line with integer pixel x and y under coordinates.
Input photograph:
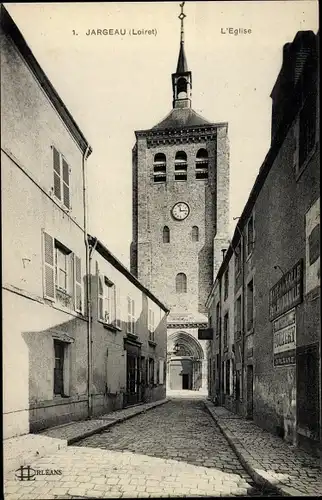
{"type": "Point", "coordinates": [275, 253]}
{"type": "Point", "coordinates": [59, 366]}
{"type": "Point", "coordinates": [180, 221]}
{"type": "Point", "coordinates": [129, 336]}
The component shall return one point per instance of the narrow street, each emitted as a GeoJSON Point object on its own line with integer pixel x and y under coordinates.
{"type": "Point", "coordinates": [172, 450]}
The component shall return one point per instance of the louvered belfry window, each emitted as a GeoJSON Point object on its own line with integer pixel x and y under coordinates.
{"type": "Point", "coordinates": [202, 164]}
{"type": "Point", "coordinates": [180, 166]}
{"type": "Point", "coordinates": [61, 178]}
{"type": "Point", "coordinates": [160, 168]}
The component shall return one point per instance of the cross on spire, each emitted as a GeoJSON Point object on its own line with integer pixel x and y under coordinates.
{"type": "Point", "coordinates": [181, 17]}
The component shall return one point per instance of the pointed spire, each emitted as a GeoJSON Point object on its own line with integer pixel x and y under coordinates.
{"type": "Point", "coordinates": [182, 65]}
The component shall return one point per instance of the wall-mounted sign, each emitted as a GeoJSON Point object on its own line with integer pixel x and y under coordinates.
{"type": "Point", "coordinates": [288, 291]}
{"type": "Point", "coordinates": [205, 333]}
{"type": "Point", "coordinates": [284, 339]}
{"type": "Point", "coordinates": [312, 238]}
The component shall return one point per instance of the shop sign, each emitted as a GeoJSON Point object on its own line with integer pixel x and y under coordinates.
{"type": "Point", "coordinates": [284, 339]}
{"type": "Point", "coordinates": [287, 293]}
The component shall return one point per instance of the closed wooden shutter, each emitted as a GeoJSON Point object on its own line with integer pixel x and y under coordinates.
{"type": "Point", "coordinates": [101, 297]}
{"type": "Point", "coordinates": [118, 307]}
{"type": "Point", "coordinates": [66, 194]}
{"type": "Point", "coordinates": [57, 173]}
{"type": "Point", "coordinates": [49, 266]}
{"type": "Point", "coordinates": [78, 289]}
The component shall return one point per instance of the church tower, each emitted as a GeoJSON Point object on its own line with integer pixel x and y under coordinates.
{"type": "Point", "coordinates": [180, 220]}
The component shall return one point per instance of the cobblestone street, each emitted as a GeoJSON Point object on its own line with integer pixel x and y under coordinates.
{"type": "Point", "coordinates": [173, 450]}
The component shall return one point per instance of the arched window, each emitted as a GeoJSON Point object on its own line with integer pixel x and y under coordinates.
{"type": "Point", "coordinates": [181, 283]}
{"type": "Point", "coordinates": [166, 234]}
{"type": "Point", "coordinates": [180, 166]}
{"type": "Point", "coordinates": [195, 233]}
{"type": "Point", "coordinates": [160, 168]}
{"type": "Point", "coordinates": [182, 88]}
{"type": "Point", "coordinates": [202, 164]}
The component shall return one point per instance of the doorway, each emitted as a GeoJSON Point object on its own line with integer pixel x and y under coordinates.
{"type": "Point", "coordinates": [250, 391]}
{"type": "Point", "coordinates": [186, 384]}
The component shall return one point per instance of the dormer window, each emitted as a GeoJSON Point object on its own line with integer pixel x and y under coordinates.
{"type": "Point", "coordinates": [180, 166]}
{"type": "Point", "coordinates": [202, 164]}
{"type": "Point", "coordinates": [160, 168]}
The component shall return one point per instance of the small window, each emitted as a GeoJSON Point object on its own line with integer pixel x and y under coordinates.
{"type": "Point", "coordinates": [61, 178]}
{"type": "Point", "coordinates": [202, 164]}
{"type": "Point", "coordinates": [59, 349]}
{"type": "Point", "coordinates": [166, 234]}
{"type": "Point", "coordinates": [195, 233]}
{"type": "Point", "coordinates": [160, 168]}
{"type": "Point", "coordinates": [218, 319]}
{"type": "Point", "coordinates": [180, 166]}
{"type": "Point", "coordinates": [181, 283]}
{"type": "Point", "coordinates": [130, 316]}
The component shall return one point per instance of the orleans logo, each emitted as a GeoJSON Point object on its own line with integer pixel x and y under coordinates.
{"type": "Point", "coordinates": [27, 473]}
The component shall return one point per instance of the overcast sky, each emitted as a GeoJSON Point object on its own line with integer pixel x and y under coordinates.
{"type": "Point", "coordinates": [114, 85]}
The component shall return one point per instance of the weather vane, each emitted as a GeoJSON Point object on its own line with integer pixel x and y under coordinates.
{"type": "Point", "coordinates": [181, 17]}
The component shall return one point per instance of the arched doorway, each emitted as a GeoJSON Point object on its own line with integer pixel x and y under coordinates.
{"type": "Point", "coordinates": [185, 356]}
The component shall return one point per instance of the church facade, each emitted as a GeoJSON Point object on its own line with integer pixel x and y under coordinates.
{"type": "Point", "coordinates": [180, 222]}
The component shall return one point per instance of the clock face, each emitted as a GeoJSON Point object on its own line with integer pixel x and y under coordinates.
{"type": "Point", "coordinates": [180, 211]}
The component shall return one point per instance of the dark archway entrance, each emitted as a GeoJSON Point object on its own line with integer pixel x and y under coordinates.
{"type": "Point", "coordinates": [185, 357]}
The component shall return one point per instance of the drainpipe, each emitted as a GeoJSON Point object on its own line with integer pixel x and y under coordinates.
{"type": "Point", "coordinates": [220, 343]}
{"type": "Point", "coordinates": [88, 297]}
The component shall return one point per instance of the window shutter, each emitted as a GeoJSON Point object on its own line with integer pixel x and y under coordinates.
{"type": "Point", "coordinates": [57, 173]}
{"type": "Point", "coordinates": [113, 305]}
{"type": "Point", "coordinates": [100, 297]}
{"type": "Point", "coordinates": [49, 266]}
{"type": "Point", "coordinates": [66, 196]}
{"type": "Point", "coordinates": [155, 375]}
{"type": "Point", "coordinates": [118, 307]}
{"type": "Point", "coordinates": [78, 284]}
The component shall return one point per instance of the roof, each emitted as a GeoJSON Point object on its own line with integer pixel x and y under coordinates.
{"type": "Point", "coordinates": [182, 66]}
{"type": "Point", "coordinates": [106, 254]}
{"type": "Point", "coordinates": [11, 29]}
{"type": "Point", "coordinates": [181, 117]}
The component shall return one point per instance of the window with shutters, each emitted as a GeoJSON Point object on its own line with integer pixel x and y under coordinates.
{"type": "Point", "coordinates": [130, 316]}
{"type": "Point", "coordinates": [62, 274]}
{"type": "Point", "coordinates": [151, 325]}
{"type": "Point", "coordinates": [61, 187]}
{"type": "Point", "coordinates": [106, 300]}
